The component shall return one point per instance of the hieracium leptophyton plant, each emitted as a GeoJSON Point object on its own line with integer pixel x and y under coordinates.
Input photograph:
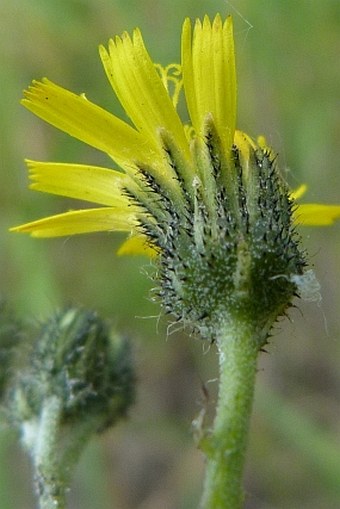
{"type": "Point", "coordinates": [77, 381]}
{"type": "Point", "coordinates": [206, 201]}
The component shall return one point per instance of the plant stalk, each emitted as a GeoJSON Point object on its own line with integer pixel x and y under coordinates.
{"type": "Point", "coordinates": [226, 445]}
{"type": "Point", "coordinates": [50, 481]}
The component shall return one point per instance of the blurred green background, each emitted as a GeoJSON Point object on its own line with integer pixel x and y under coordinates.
{"type": "Point", "coordinates": [289, 81]}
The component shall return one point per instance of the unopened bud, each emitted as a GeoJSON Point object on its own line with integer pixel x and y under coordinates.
{"type": "Point", "coordinates": [79, 380]}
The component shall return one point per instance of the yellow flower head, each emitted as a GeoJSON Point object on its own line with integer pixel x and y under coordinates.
{"type": "Point", "coordinates": [183, 192]}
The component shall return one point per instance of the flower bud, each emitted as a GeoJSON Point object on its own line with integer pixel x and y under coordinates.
{"type": "Point", "coordinates": [84, 364]}
{"type": "Point", "coordinates": [78, 381]}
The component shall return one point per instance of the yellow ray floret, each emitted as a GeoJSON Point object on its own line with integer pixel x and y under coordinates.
{"type": "Point", "coordinates": [137, 244]}
{"type": "Point", "coordinates": [139, 88]}
{"type": "Point", "coordinates": [317, 214]}
{"type": "Point", "coordinates": [87, 122]}
{"type": "Point", "coordinates": [209, 78]}
{"type": "Point", "coordinates": [298, 192]}
{"type": "Point", "coordinates": [81, 221]}
{"type": "Point", "coordinates": [83, 182]}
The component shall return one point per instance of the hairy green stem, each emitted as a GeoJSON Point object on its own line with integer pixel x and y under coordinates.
{"type": "Point", "coordinates": [225, 446]}
{"type": "Point", "coordinates": [49, 478]}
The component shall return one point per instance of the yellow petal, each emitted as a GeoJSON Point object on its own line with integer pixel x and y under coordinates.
{"type": "Point", "coordinates": [317, 214]}
{"type": "Point", "coordinates": [90, 183]}
{"type": "Point", "coordinates": [140, 90]}
{"type": "Point", "coordinates": [299, 192]}
{"type": "Point", "coordinates": [262, 143]}
{"type": "Point", "coordinates": [80, 221]}
{"type": "Point", "coordinates": [87, 122]}
{"type": "Point", "coordinates": [209, 77]}
{"type": "Point", "coordinates": [137, 245]}
{"type": "Point", "coordinates": [245, 145]}
{"type": "Point", "coordinates": [188, 73]}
